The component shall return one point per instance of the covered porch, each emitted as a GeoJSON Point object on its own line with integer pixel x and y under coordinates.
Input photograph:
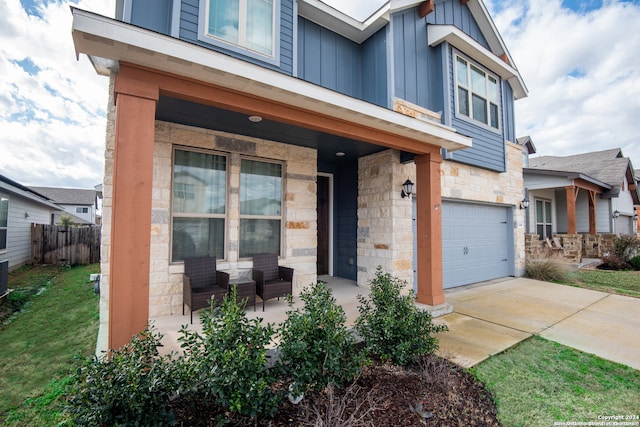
{"type": "Point", "coordinates": [186, 98]}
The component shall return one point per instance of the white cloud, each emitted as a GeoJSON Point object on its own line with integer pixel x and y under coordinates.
{"type": "Point", "coordinates": [52, 110]}
{"type": "Point", "coordinates": [581, 69]}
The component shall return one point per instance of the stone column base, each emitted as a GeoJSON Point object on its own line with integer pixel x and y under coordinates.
{"type": "Point", "coordinates": [436, 310]}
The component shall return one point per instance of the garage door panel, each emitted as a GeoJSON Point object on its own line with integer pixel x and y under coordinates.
{"type": "Point", "coordinates": [475, 243]}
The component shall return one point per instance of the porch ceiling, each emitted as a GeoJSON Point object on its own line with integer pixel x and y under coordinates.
{"type": "Point", "coordinates": [108, 43]}
{"type": "Point", "coordinates": [204, 116]}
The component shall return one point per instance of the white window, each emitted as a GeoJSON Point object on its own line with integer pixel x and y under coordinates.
{"type": "Point", "coordinates": [248, 24]}
{"type": "Point", "coordinates": [81, 210]}
{"type": "Point", "coordinates": [477, 93]}
{"type": "Point", "coordinates": [543, 219]}
{"type": "Point", "coordinates": [4, 222]}
{"type": "Point", "coordinates": [260, 207]}
{"type": "Point", "coordinates": [199, 205]}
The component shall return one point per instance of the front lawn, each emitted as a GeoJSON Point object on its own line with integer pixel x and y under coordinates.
{"type": "Point", "coordinates": [38, 346]}
{"type": "Point", "coordinates": [619, 282]}
{"type": "Point", "coordinates": [540, 382]}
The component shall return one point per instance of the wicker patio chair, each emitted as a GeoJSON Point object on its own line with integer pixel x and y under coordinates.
{"type": "Point", "coordinates": [201, 282]}
{"type": "Point", "coordinates": [272, 280]}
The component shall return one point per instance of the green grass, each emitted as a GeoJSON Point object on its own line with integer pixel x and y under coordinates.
{"type": "Point", "coordinates": [619, 282]}
{"type": "Point", "coordinates": [39, 345]}
{"type": "Point", "coordinates": [539, 382]}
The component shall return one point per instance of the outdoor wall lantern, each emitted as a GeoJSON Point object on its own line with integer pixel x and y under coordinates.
{"type": "Point", "coordinates": [407, 189]}
{"type": "Point", "coordinates": [616, 213]}
{"type": "Point", "coordinates": [524, 204]}
{"type": "Point", "coordinates": [635, 217]}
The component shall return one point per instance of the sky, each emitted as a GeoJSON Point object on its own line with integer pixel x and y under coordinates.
{"type": "Point", "coordinates": [579, 59]}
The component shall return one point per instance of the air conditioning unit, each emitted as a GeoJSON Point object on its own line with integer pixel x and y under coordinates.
{"type": "Point", "coordinates": [4, 277]}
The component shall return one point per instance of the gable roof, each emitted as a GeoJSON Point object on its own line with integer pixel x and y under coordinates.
{"type": "Point", "coordinates": [608, 166]}
{"type": "Point", "coordinates": [527, 142]}
{"type": "Point", "coordinates": [68, 196]}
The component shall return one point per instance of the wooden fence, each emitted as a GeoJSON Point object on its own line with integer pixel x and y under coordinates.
{"type": "Point", "coordinates": [53, 244]}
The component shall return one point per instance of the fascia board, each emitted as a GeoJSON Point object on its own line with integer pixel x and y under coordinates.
{"type": "Point", "coordinates": [96, 35]}
{"type": "Point", "coordinates": [328, 17]}
{"type": "Point", "coordinates": [438, 34]}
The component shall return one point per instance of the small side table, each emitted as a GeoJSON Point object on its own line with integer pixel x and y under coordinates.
{"type": "Point", "coordinates": [245, 288]}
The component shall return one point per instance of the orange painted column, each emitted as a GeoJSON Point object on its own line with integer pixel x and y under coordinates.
{"type": "Point", "coordinates": [131, 209]}
{"type": "Point", "coordinates": [429, 229]}
{"type": "Point", "coordinates": [571, 210]}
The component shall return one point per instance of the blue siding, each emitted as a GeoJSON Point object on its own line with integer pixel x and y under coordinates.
{"type": "Point", "coordinates": [411, 58]}
{"type": "Point", "coordinates": [374, 69]}
{"type": "Point", "coordinates": [189, 32]}
{"type": "Point", "coordinates": [452, 12]}
{"type": "Point", "coordinates": [328, 59]}
{"type": "Point", "coordinates": [153, 15]}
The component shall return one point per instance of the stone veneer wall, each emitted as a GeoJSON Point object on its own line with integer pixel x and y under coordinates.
{"type": "Point", "coordinates": [165, 279]}
{"type": "Point", "coordinates": [470, 183]}
{"type": "Point", "coordinates": [385, 229]}
{"type": "Point", "coordinates": [299, 209]}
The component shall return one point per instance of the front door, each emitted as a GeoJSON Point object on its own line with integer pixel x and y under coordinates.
{"type": "Point", "coordinates": [323, 225]}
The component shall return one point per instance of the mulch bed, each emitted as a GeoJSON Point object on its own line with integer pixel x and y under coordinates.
{"type": "Point", "coordinates": [435, 392]}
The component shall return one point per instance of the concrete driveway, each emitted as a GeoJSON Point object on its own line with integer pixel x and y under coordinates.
{"type": "Point", "coordinates": [490, 318]}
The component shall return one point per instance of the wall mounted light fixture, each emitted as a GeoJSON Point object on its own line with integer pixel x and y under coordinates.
{"type": "Point", "coordinates": [407, 189]}
{"type": "Point", "coordinates": [524, 204]}
{"type": "Point", "coordinates": [26, 215]}
{"type": "Point", "coordinates": [616, 214]}
{"type": "Point", "coordinates": [635, 217]}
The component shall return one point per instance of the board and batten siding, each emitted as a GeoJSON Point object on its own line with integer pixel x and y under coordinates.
{"type": "Point", "coordinates": [188, 31]}
{"type": "Point", "coordinates": [455, 13]}
{"type": "Point", "coordinates": [19, 228]}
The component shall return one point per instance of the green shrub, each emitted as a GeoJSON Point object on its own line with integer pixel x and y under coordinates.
{"type": "Point", "coordinates": [227, 363]}
{"type": "Point", "coordinates": [625, 246]}
{"type": "Point", "coordinates": [635, 262]}
{"type": "Point", "coordinates": [392, 327]}
{"type": "Point", "coordinates": [547, 270]}
{"type": "Point", "coordinates": [316, 348]}
{"type": "Point", "coordinates": [132, 386]}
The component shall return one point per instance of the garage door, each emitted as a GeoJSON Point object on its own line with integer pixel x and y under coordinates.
{"type": "Point", "coordinates": [477, 243]}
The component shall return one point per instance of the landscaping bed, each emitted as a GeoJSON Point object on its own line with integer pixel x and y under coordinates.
{"type": "Point", "coordinates": [434, 392]}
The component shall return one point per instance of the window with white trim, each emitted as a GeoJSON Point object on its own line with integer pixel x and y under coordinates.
{"type": "Point", "coordinates": [81, 210]}
{"type": "Point", "coordinates": [544, 223]}
{"type": "Point", "coordinates": [4, 223]}
{"type": "Point", "coordinates": [249, 24]}
{"type": "Point", "coordinates": [260, 208]}
{"type": "Point", "coordinates": [477, 93]}
{"type": "Point", "coordinates": [199, 205]}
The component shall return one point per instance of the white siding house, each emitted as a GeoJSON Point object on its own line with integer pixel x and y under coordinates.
{"type": "Point", "coordinates": [19, 208]}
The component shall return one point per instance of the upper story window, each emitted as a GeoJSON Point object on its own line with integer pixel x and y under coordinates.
{"type": "Point", "coordinates": [81, 210]}
{"type": "Point", "coordinates": [477, 93]}
{"type": "Point", "coordinates": [247, 24]}
{"type": "Point", "coordinates": [4, 223]}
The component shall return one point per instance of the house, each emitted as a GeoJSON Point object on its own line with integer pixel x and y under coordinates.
{"type": "Point", "coordinates": [19, 208]}
{"type": "Point", "coordinates": [291, 129]}
{"type": "Point", "coordinates": [591, 194]}
{"type": "Point", "coordinates": [79, 203]}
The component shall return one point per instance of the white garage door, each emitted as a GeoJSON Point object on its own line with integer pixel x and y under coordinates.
{"type": "Point", "coordinates": [477, 243]}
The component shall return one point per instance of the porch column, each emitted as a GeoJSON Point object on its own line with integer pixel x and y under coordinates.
{"type": "Point", "coordinates": [592, 212]}
{"type": "Point", "coordinates": [429, 229]}
{"type": "Point", "coordinates": [572, 193]}
{"type": "Point", "coordinates": [131, 208]}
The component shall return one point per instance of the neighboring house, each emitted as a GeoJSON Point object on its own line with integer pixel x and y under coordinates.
{"type": "Point", "coordinates": [591, 193]}
{"type": "Point", "coordinates": [291, 130]}
{"type": "Point", "coordinates": [19, 208]}
{"type": "Point", "coordinates": [80, 203]}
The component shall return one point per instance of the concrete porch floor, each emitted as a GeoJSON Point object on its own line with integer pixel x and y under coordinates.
{"type": "Point", "coordinates": [492, 317]}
